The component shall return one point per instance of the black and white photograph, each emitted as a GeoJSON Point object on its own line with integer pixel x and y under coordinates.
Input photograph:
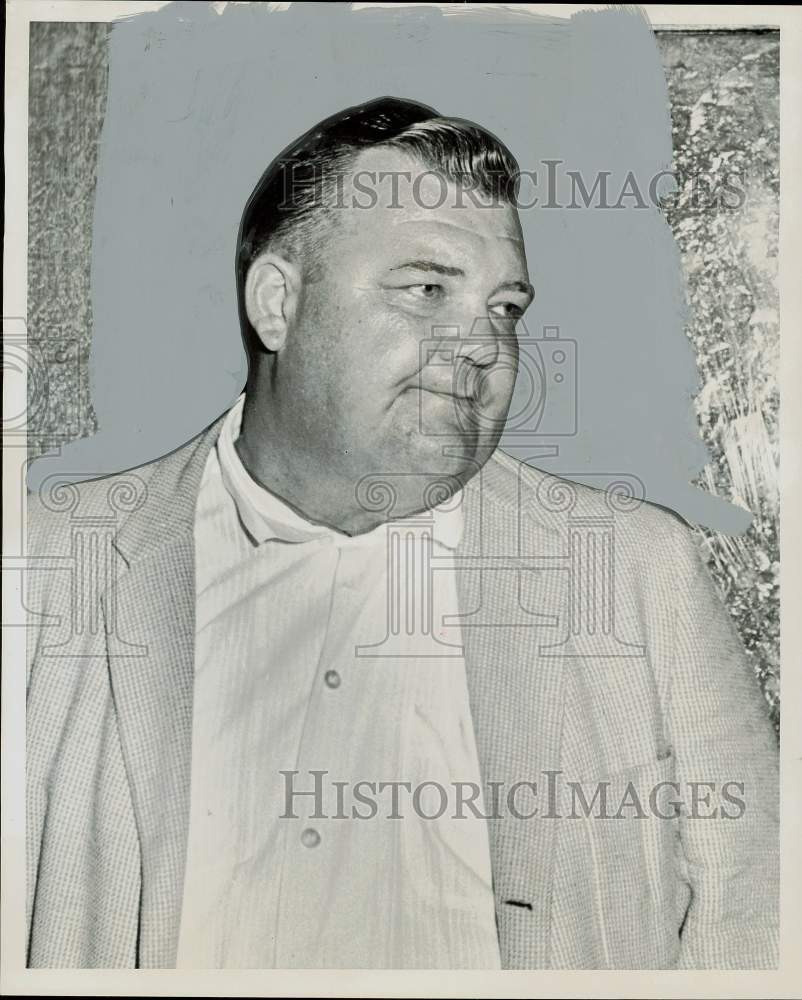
{"type": "Point", "coordinates": [392, 574]}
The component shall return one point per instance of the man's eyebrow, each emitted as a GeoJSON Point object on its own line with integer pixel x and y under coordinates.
{"type": "Point", "coordinates": [516, 286]}
{"type": "Point", "coordinates": [457, 272]}
{"type": "Point", "coordinates": [431, 265]}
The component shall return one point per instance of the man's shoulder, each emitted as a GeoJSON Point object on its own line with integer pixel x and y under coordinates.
{"type": "Point", "coordinates": [61, 504]}
{"type": "Point", "coordinates": [562, 504]}
{"type": "Point", "coordinates": [86, 497]}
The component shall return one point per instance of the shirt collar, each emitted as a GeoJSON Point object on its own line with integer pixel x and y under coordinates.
{"type": "Point", "coordinates": [265, 516]}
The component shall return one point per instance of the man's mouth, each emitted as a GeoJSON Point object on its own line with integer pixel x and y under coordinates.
{"type": "Point", "coordinates": [459, 389]}
{"type": "Point", "coordinates": [446, 393]}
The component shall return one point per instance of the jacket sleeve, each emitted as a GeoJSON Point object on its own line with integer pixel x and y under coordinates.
{"type": "Point", "coordinates": [727, 768]}
{"type": "Point", "coordinates": [35, 797]}
{"type": "Point", "coordinates": [82, 850]}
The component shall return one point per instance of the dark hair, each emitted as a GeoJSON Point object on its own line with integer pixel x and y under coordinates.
{"type": "Point", "coordinates": [287, 206]}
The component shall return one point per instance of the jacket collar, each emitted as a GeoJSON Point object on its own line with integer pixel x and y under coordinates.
{"type": "Point", "coordinates": [172, 484]}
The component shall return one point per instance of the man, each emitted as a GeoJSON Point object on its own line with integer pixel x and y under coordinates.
{"type": "Point", "coordinates": [340, 607]}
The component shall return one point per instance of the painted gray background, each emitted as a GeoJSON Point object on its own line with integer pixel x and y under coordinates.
{"type": "Point", "coordinates": [199, 103]}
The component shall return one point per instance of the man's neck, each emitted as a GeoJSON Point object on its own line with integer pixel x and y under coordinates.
{"type": "Point", "coordinates": [297, 477]}
{"type": "Point", "coordinates": [310, 486]}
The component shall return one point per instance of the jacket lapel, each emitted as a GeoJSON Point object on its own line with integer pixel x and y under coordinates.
{"type": "Point", "coordinates": [514, 599]}
{"type": "Point", "coordinates": [151, 658]}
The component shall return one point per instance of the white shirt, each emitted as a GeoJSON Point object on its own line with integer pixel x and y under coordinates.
{"type": "Point", "coordinates": [317, 651]}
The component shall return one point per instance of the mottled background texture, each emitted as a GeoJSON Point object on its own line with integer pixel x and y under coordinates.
{"type": "Point", "coordinates": [724, 93]}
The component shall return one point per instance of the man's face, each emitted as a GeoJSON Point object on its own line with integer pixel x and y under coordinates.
{"type": "Point", "coordinates": [405, 346]}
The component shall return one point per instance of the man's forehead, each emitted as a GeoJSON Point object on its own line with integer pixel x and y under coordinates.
{"type": "Point", "coordinates": [403, 191]}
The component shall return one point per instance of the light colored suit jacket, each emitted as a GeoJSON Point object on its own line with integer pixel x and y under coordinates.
{"type": "Point", "coordinates": [596, 651]}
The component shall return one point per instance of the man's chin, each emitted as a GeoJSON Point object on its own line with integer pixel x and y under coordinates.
{"type": "Point", "coordinates": [461, 455]}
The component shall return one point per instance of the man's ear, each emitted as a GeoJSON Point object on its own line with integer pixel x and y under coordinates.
{"type": "Point", "coordinates": [271, 293]}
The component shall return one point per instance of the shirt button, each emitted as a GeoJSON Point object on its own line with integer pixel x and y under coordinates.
{"type": "Point", "coordinates": [332, 678]}
{"type": "Point", "coordinates": [310, 837]}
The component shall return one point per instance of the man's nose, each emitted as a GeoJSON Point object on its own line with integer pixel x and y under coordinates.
{"type": "Point", "coordinates": [479, 344]}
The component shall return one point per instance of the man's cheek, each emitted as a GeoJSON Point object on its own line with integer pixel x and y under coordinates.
{"type": "Point", "coordinates": [402, 333]}
{"type": "Point", "coordinates": [493, 389]}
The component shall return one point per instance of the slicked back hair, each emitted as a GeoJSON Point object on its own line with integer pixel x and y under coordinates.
{"type": "Point", "coordinates": [292, 203]}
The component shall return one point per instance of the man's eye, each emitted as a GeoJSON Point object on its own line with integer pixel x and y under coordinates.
{"type": "Point", "coordinates": [426, 292]}
{"type": "Point", "coordinates": [506, 310]}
